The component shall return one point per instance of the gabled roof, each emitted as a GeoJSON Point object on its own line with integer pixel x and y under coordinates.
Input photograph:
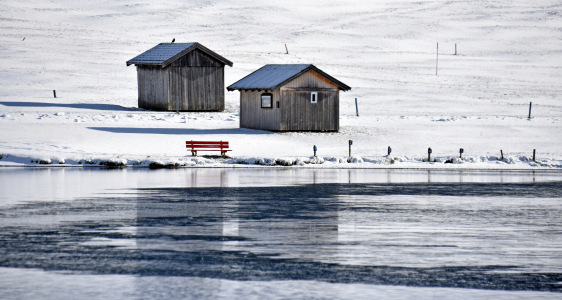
{"type": "Point", "coordinates": [164, 54]}
{"type": "Point", "coordinates": [271, 77]}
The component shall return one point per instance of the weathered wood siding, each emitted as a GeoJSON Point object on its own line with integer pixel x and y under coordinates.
{"type": "Point", "coordinates": [153, 87]}
{"type": "Point", "coordinates": [299, 114]}
{"type": "Point", "coordinates": [198, 88]}
{"type": "Point", "coordinates": [297, 111]}
{"type": "Point", "coordinates": [310, 79]}
{"type": "Point", "coordinates": [253, 116]}
{"type": "Point", "coordinates": [196, 78]}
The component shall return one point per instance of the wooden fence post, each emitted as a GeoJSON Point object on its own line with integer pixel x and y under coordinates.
{"type": "Point", "coordinates": [437, 59]}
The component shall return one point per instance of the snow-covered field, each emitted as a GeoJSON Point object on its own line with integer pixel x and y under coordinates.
{"type": "Point", "coordinates": [509, 53]}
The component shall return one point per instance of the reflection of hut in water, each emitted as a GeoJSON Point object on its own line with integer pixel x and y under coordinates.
{"type": "Point", "coordinates": [285, 221]}
{"type": "Point", "coordinates": [207, 177]}
{"type": "Point", "coordinates": [290, 221]}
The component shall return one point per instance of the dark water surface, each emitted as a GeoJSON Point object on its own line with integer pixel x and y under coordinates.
{"type": "Point", "coordinates": [475, 230]}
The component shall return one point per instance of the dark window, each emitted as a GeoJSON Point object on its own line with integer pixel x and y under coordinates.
{"type": "Point", "coordinates": [267, 100]}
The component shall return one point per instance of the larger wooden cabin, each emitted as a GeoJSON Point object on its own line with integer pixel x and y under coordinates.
{"type": "Point", "coordinates": [182, 76]}
{"type": "Point", "coordinates": [289, 98]}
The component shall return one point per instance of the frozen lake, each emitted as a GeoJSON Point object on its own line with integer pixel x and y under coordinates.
{"type": "Point", "coordinates": [279, 233]}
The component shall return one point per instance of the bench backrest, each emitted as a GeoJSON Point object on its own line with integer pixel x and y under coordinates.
{"type": "Point", "coordinates": [206, 144]}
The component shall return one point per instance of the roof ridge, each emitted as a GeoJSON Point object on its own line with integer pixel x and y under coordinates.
{"type": "Point", "coordinates": [165, 53]}
{"type": "Point", "coordinates": [270, 78]}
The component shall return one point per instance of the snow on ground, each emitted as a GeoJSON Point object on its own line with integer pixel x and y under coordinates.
{"type": "Point", "coordinates": [508, 54]}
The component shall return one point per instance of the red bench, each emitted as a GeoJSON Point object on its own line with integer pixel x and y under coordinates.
{"type": "Point", "coordinates": [207, 146]}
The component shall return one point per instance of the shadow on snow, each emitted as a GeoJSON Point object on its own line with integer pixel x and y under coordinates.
{"type": "Point", "coordinates": [183, 131]}
{"type": "Point", "coordinates": [68, 105]}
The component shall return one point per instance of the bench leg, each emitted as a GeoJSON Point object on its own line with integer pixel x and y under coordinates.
{"type": "Point", "coordinates": [194, 152]}
{"type": "Point", "coordinates": [223, 153]}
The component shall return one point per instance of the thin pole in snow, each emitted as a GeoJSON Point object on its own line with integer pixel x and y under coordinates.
{"type": "Point", "coordinates": [455, 49]}
{"type": "Point", "coordinates": [286, 49]}
{"type": "Point", "coordinates": [55, 93]}
{"type": "Point", "coordinates": [437, 59]}
{"type": "Point", "coordinates": [178, 104]}
{"type": "Point", "coordinates": [530, 105]}
{"type": "Point", "coordinates": [356, 107]}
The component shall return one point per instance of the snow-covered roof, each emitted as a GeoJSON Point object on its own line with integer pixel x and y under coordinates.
{"type": "Point", "coordinates": [271, 77]}
{"type": "Point", "coordinates": [164, 54]}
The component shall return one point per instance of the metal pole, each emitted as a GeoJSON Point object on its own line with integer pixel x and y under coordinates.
{"type": "Point", "coordinates": [356, 107]}
{"type": "Point", "coordinates": [178, 104]}
{"type": "Point", "coordinates": [530, 105]}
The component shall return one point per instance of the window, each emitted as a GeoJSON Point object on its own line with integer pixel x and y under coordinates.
{"type": "Point", "coordinates": [314, 97]}
{"type": "Point", "coordinates": [267, 100]}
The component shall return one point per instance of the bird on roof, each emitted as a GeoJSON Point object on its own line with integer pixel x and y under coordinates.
{"type": "Point", "coordinates": [174, 40]}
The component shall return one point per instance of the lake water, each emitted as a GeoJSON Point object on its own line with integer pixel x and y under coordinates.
{"type": "Point", "coordinates": [279, 234]}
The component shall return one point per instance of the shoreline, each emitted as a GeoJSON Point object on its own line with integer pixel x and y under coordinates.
{"type": "Point", "coordinates": [308, 167]}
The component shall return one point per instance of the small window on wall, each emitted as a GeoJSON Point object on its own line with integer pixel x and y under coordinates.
{"type": "Point", "coordinates": [314, 97]}
{"type": "Point", "coordinates": [267, 100]}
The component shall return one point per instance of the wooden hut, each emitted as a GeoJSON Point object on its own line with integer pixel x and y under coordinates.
{"type": "Point", "coordinates": [180, 76]}
{"type": "Point", "coordinates": [289, 98]}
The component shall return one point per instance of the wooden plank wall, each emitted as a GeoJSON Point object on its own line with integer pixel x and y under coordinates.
{"type": "Point", "coordinates": [199, 81]}
{"type": "Point", "coordinates": [196, 78]}
{"type": "Point", "coordinates": [253, 116]}
{"type": "Point", "coordinates": [310, 79]}
{"type": "Point", "coordinates": [299, 114]}
{"type": "Point", "coordinates": [152, 87]}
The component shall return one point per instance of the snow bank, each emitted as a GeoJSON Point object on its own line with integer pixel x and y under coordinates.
{"type": "Point", "coordinates": [469, 162]}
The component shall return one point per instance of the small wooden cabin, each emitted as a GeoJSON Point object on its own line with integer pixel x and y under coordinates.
{"type": "Point", "coordinates": [289, 98]}
{"type": "Point", "coordinates": [180, 76]}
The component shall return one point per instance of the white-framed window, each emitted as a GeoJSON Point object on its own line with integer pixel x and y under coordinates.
{"type": "Point", "coordinates": [314, 97]}
{"type": "Point", "coordinates": [266, 100]}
